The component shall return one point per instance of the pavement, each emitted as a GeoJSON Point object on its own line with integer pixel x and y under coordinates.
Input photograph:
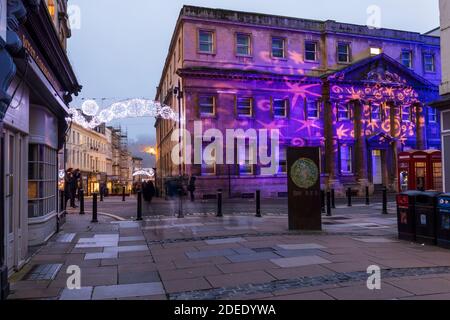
{"type": "Point", "coordinates": [238, 257]}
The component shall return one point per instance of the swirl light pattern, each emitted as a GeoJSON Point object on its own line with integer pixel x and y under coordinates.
{"type": "Point", "coordinates": [91, 116]}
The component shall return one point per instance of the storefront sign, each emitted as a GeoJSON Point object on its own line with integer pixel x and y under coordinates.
{"type": "Point", "coordinates": [304, 188]}
{"type": "Point", "coordinates": [3, 20]}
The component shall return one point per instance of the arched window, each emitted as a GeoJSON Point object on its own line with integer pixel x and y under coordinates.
{"type": "Point", "coordinates": [51, 8]}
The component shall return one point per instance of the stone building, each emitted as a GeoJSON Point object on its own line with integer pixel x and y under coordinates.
{"type": "Point", "coordinates": [36, 84]}
{"type": "Point", "coordinates": [359, 94]}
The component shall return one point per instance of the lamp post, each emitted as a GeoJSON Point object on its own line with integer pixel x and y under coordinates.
{"type": "Point", "coordinates": [179, 93]}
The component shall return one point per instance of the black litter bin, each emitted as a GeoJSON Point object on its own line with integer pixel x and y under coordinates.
{"type": "Point", "coordinates": [406, 217]}
{"type": "Point", "coordinates": [443, 221]}
{"type": "Point", "coordinates": [426, 224]}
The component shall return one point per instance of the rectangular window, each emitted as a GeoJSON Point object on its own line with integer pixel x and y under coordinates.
{"type": "Point", "coordinates": [245, 163]}
{"type": "Point", "coordinates": [428, 61]}
{"type": "Point", "coordinates": [244, 107]}
{"type": "Point", "coordinates": [407, 58]}
{"type": "Point", "coordinates": [283, 161]}
{"type": "Point", "coordinates": [278, 47]}
{"type": "Point", "coordinates": [280, 107]}
{"type": "Point", "coordinates": [432, 115]}
{"type": "Point", "coordinates": [42, 180]}
{"type": "Point", "coordinates": [375, 51]}
{"type": "Point", "coordinates": [343, 52]}
{"type": "Point", "coordinates": [206, 105]}
{"type": "Point", "coordinates": [346, 153]}
{"type": "Point", "coordinates": [243, 44]}
{"type": "Point", "coordinates": [375, 112]}
{"type": "Point", "coordinates": [311, 51]}
{"type": "Point", "coordinates": [209, 165]}
{"type": "Point", "coordinates": [406, 114]}
{"type": "Point", "coordinates": [206, 41]}
{"type": "Point", "coordinates": [313, 109]}
{"type": "Point", "coordinates": [343, 112]}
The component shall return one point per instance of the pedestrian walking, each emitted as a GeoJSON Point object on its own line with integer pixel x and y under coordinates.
{"type": "Point", "coordinates": [191, 188]}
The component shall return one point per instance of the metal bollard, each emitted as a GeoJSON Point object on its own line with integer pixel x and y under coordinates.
{"type": "Point", "coordinates": [349, 197]}
{"type": "Point", "coordinates": [333, 199]}
{"type": "Point", "coordinates": [322, 200]}
{"type": "Point", "coordinates": [123, 194]}
{"type": "Point", "coordinates": [94, 208]}
{"type": "Point", "coordinates": [219, 204]}
{"type": "Point", "coordinates": [139, 206]}
{"type": "Point", "coordinates": [367, 197]}
{"type": "Point", "coordinates": [329, 204]}
{"type": "Point", "coordinates": [258, 204]}
{"type": "Point", "coordinates": [385, 210]}
{"type": "Point", "coordinates": [81, 195]}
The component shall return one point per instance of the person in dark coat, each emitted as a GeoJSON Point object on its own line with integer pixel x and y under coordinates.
{"type": "Point", "coordinates": [67, 187]}
{"type": "Point", "coordinates": [149, 191]}
{"type": "Point", "coordinates": [191, 187]}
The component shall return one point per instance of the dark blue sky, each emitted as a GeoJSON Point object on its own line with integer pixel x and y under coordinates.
{"type": "Point", "coordinates": [121, 46]}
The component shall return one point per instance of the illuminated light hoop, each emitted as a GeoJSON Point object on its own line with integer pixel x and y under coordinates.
{"type": "Point", "coordinates": [133, 108]}
{"type": "Point", "coordinates": [146, 172]}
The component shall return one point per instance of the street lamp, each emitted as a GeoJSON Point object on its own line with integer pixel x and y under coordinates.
{"type": "Point", "coordinates": [179, 93]}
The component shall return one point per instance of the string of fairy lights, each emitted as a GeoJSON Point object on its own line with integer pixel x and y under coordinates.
{"type": "Point", "coordinates": [91, 115]}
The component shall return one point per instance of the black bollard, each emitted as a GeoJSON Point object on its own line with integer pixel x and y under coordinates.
{"type": "Point", "coordinates": [328, 204]}
{"type": "Point", "coordinates": [333, 199]}
{"type": "Point", "coordinates": [258, 204]}
{"type": "Point", "coordinates": [349, 197]}
{"type": "Point", "coordinates": [94, 208]}
{"type": "Point", "coordinates": [322, 200]}
{"type": "Point", "coordinates": [385, 210]}
{"type": "Point", "coordinates": [367, 197]}
{"type": "Point", "coordinates": [81, 195]}
{"type": "Point", "coordinates": [123, 194]}
{"type": "Point", "coordinates": [139, 206]}
{"type": "Point", "coordinates": [219, 204]}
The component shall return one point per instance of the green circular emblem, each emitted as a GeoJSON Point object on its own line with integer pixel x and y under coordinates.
{"type": "Point", "coordinates": [304, 173]}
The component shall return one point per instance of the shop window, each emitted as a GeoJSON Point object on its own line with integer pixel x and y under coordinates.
{"type": "Point", "coordinates": [42, 180]}
{"type": "Point", "coordinates": [346, 153]}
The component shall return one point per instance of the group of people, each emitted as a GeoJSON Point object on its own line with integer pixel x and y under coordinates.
{"type": "Point", "coordinates": [148, 190]}
{"type": "Point", "coordinates": [173, 188]}
{"type": "Point", "coordinates": [72, 185]}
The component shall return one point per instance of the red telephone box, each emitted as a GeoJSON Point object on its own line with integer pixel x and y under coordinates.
{"type": "Point", "coordinates": [420, 170]}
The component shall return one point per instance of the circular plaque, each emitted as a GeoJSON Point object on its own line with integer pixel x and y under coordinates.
{"type": "Point", "coordinates": [304, 173]}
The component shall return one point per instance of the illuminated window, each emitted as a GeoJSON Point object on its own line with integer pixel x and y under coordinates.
{"type": "Point", "coordinates": [432, 115]}
{"type": "Point", "coordinates": [375, 51]}
{"type": "Point", "coordinates": [428, 61]}
{"type": "Point", "coordinates": [206, 41]}
{"type": "Point", "coordinates": [343, 52]}
{"type": "Point", "coordinates": [313, 109]}
{"type": "Point", "coordinates": [278, 47]}
{"type": "Point", "coordinates": [243, 44]}
{"type": "Point", "coordinates": [245, 161]}
{"type": "Point", "coordinates": [206, 105]}
{"type": "Point", "coordinates": [51, 8]}
{"type": "Point", "coordinates": [407, 58]}
{"type": "Point", "coordinates": [311, 51]}
{"type": "Point", "coordinates": [346, 153]}
{"type": "Point", "coordinates": [244, 107]}
{"type": "Point", "coordinates": [280, 107]}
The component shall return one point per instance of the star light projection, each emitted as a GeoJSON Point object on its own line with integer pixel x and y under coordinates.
{"type": "Point", "coordinates": [133, 108]}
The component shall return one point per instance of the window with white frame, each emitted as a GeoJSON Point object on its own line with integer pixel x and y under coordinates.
{"type": "Point", "coordinates": [432, 115]}
{"type": "Point", "coordinates": [42, 180]}
{"type": "Point", "coordinates": [278, 47]}
{"type": "Point", "coordinates": [406, 113]}
{"type": "Point", "coordinates": [243, 44]}
{"type": "Point", "coordinates": [407, 58]}
{"type": "Point", "coordinates": [207, 105]}
{"type": "Point", "coordinates": [428, 62]}
{"type": "Point", "coordinates": [280, 107]}
{"type": "Point", "coordinates": [344, 111]}
{"type": "Point", "coordinates": [311, 52]}
{"type": "Point", "coordinates": [343, 52]}
{"type": "Point", "coordinates": [244, 107]}
{"type": "Point", "coordinates": [245, 161]}
{"type": "Point", "coordinates": [313, 109]}
{"type": "Point", "coordinates": [375, 112]}
{"type": "Point", "coordinates": [346, 155]}
{"type": "Point", "coordinates": [206, 41]}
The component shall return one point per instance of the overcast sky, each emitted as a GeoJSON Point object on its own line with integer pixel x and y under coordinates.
{"type": "Point", "coordinates": [120, 49]}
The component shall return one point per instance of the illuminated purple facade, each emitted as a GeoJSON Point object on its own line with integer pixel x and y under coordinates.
{"type": "Point", "coordinates": [361, 95]}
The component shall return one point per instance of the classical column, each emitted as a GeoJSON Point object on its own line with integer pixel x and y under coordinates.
{"type": "Point", "coordinates": [392, 163]}
{"type": "Point", "coordinates": [331, 144]}
{"type": "Point", "coordinates": [420, 112]}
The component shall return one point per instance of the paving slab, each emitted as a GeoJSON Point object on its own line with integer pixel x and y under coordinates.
{"type": "Point", "coordinates": [77, 294]}
{"type": "Point", "coordinates": [301, 246]}
{"type": "Point", "coordinates": [225, 241]}
{"type": "Point", "coordinates": [299, 261]}
{"type": "Point", "coordinates": [233, 279]}
{"type": "Point", "coordinates": [127, 291]}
